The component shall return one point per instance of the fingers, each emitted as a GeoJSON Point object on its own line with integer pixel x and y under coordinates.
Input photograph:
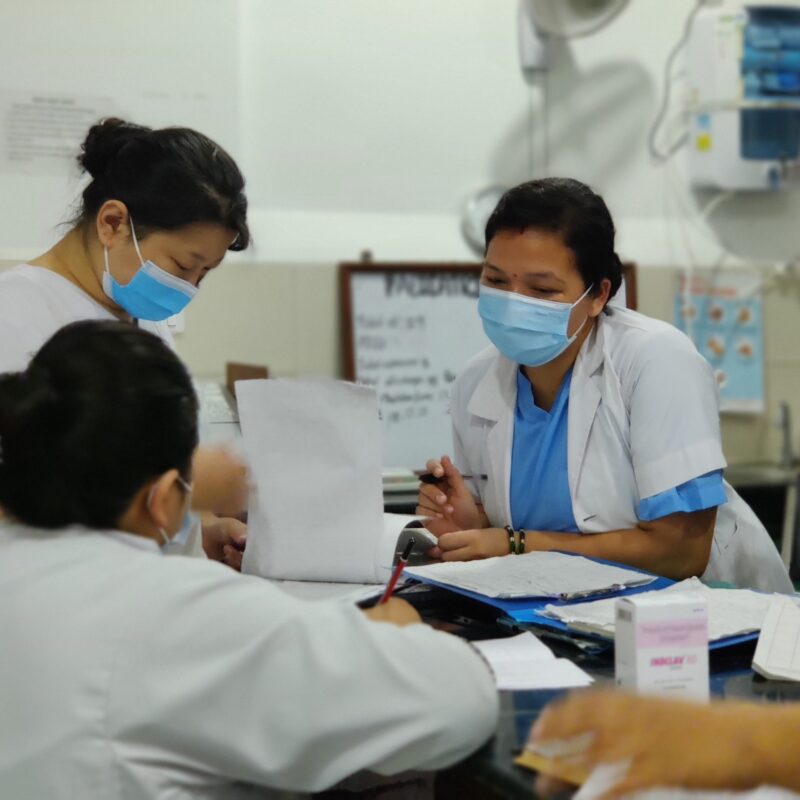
{"type": "Point", "coordinates": [433, 502]}
{"type": "Point", "coordinates": [458, 546]}
{"type": "Point", "coordinates": [232, 557]}
{"type": "Point", "coordinates": [569, 717]}
{"type": "Point", "coordinates": [434, 466]}
{"type": "Point", "coordinates": [452, 474]}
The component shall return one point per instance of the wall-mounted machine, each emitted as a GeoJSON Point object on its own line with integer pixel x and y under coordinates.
{"type": "Point", "coordinates": [743, 74]}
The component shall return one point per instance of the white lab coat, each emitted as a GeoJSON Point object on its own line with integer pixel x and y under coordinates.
{"type": "Point", "coordinates": [643, 418]}
{"type": "Point", "coordinates": [128, 675]}
{"type": "Point", "coordinates": [36, 302]}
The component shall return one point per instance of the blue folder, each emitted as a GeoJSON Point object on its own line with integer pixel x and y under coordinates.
{"type": "Point", "coordinates": [528, 610]}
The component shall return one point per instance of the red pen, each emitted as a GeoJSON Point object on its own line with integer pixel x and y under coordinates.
{"type": "Point", "coordinates": [387, 592]}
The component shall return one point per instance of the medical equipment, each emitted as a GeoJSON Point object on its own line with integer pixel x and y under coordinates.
{"type": "Point", "coordinates": [743, 102]}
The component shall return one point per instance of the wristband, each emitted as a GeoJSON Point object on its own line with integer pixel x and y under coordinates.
{"type": "Point", "coordinates": [512, 541]}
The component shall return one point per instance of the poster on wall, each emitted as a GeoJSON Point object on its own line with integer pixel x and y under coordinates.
{"type": "Point", "coordinates": [722, 312]}
{"type": "Point", "coordinates": [41, 132]}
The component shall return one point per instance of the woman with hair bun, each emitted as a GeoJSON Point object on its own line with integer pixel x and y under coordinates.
{"type": "Point", "coordinates": [586, 427]}
{"type": "Point", "coordinates": [127, 675]}
{"type": "Point", "coordinates": [160, 210]}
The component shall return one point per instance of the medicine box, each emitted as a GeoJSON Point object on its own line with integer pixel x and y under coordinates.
{"type": "Point", "coordinates": [661, 644]}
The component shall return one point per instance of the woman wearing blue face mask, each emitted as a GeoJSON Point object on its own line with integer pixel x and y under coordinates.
{"type": "Point", "coordinates": [129, 675]}
{"type": "Point", "coordinates": [586, 428]}
{"type": "Point", "coordinates": [160, 211]}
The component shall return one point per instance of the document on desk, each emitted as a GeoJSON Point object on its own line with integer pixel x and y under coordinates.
{"type": "Point", "coordinates": [731, 612]}
{"type": "Point", "coordinates": [777, 653]}
{"type": "Point", "coordinates": [523, 662]}
{"type": "Point", "coordinates": [316, 512]}
{"type": "Point", "coordinates": [539, 574]}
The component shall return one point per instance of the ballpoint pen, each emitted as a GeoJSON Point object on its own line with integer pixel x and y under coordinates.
{"type": "Point", "coordinates": [429, 477]}
{"type": "Point", "coordinates": [387, 592]}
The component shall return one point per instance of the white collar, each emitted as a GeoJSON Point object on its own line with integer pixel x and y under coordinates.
{"type": "Point", "coordinates": [496, 392]}
{"type": "Point", "coordinates": [132, 540]}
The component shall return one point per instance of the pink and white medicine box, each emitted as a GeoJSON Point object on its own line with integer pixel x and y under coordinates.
{"type": "Point", "coordinates": [661, 644]}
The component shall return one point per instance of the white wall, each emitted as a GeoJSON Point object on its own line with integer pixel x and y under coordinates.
{"type": "Point", "coordinates": [156, 62]}
{"type": "Point", "coordinates": [367, 124]}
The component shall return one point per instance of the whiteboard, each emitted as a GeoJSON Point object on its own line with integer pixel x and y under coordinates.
{"type": "Point", "coordinates": [408, 332]}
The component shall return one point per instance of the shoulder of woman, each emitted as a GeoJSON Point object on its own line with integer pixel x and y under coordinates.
{"type": "Point", "coordinates": [639, 338]}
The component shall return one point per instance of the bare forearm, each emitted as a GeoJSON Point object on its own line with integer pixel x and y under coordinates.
{"type": "Point", "coordinates": [670, 556]}
{"type": "Point", "coordinates": [774, 733]}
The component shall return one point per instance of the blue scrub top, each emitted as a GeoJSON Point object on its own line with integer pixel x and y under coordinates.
{"type": "Point", "coordinates": [539, 490]}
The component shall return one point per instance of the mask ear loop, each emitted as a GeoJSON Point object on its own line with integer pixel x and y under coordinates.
{"type": "Point", "coordinates": [163, 533]}
{"type": "Point", "coordinates": [135, 240]}
{"type": "Point", "coordinates": [581, 326]}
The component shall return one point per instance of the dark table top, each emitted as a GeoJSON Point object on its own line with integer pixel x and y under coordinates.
{"type": "Point", "coordinates": [490, 772]}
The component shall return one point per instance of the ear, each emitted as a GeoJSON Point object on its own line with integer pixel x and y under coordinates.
{"type": "Point", "coordinates": [112, 222]}
{"type": "Point", "coordinates": [600, 300]}
{"type": "Point", "coordinates": [162, 501]}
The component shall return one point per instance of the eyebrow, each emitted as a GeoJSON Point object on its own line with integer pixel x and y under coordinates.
{"type": "Point", "coordinates": [526, 275]}
{"type": "Point", "coordinates": [198, 257]}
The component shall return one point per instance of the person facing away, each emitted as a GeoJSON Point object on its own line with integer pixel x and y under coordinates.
{"type": "Point", "coordinates": [160, 210]}
{"type": "Point", "coordinates": [129, 675]}
{"type": "Point", "coordinates": [586, 427]}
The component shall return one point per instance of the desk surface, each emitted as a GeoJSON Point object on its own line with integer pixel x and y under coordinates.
{"type": "Point", "coordinates": [490, 773]}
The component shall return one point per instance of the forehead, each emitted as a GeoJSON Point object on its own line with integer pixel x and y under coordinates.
{"type": "Point", "coordinates": [204, 238]}
{"type": "Point", "coordinates": [531, 251]}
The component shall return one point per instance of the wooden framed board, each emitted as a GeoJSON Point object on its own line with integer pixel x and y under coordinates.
{"type": "Point", "coordinates": [408, 330]}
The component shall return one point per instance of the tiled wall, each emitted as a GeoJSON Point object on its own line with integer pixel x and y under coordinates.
{"type": "Point", "coordinates": [287, 318]}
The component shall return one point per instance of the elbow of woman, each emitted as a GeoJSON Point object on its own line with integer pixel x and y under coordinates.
{"type": "Point", "coordinates": [692, 561]}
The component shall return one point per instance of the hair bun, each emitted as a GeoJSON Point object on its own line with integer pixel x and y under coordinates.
{"type": "Point", "coordinates": [105, 140]}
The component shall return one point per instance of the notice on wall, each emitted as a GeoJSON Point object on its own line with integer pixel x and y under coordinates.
{"type": "Point", "coordinates": [42, 132]}
{"type": "Point", "coordinates": [722, 312]}
{"type": "Point", "coordinates": [413, 332]}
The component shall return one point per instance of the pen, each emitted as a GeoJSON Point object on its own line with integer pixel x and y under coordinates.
{"type": "Point", "coordinates": [429, 477]}
{"type": "Point", "coordinates": [387, 592]}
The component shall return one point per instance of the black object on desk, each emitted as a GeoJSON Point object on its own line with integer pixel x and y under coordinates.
{"type": "Point", "coordinates": [490, 773]}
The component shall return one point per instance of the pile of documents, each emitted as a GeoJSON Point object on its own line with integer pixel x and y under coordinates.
{"type": "Point", "coordinates": [523, 662]}
{"type": "Point", "coordinates": [731, 612]}
{"type": "Point", "coordinates": [538, 574]}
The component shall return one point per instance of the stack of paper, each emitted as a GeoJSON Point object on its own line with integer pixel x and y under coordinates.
{"type": "Point", "coordinates": [316, 512]}
{"type": "Point", "coordinates": [523, 662]}
{"type": "Point", "coordinates": [731, 612]}
{"type": "Point", "coordinates": [777, 654]}
{"type": "Point", "coordinates": [540, 574]}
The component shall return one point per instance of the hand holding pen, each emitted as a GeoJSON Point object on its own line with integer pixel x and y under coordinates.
{"type": "Point", "coordinates": [445, 500]}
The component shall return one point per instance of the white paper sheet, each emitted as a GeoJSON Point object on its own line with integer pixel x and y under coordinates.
{"type": "Point", "coordinates": [541, 574]}
{"type": "Point", "coordinates": [731, 612]}
{"type": "Point", "coordinates": [777, 654]}
{"type": "Point", "coordinates": [523, 662]}
{"type": "Point", "coordinates": [606, 776]}
{"type": "Point", "coordinates": [314, 448]}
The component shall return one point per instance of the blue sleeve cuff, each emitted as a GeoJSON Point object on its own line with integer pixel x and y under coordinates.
{"type": "Point", "coordinates": [707, 491]}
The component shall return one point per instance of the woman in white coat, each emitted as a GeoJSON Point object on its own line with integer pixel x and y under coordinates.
{"type": "Point", "coordinates": [159, 212]}
{"type": "Point", "coordinates": [128, 675]}
{"type": "Point", "coordinates": [585, 418]}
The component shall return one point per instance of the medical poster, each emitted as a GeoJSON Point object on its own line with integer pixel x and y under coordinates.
{"type": "Point", "coordinates": [722, 313]}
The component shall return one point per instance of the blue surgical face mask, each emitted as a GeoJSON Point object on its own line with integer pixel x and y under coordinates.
{"type": "Point", "coordinates": [526, 330]}
{"type": "Point", "coordinates": [152, 293]}
{"type": "Point", "coordinates": [190, 521]}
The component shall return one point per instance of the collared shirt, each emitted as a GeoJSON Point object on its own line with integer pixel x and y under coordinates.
{"type": "Point", "coordinates": [539, 489]}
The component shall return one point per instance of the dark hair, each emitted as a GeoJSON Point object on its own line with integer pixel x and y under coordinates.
{"type": "Point", "coordinates": [168, 178]}
{"type": "Point", "coordinates": [571, 210]}
{"type": "Point", "coordinates": [102, 408]}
